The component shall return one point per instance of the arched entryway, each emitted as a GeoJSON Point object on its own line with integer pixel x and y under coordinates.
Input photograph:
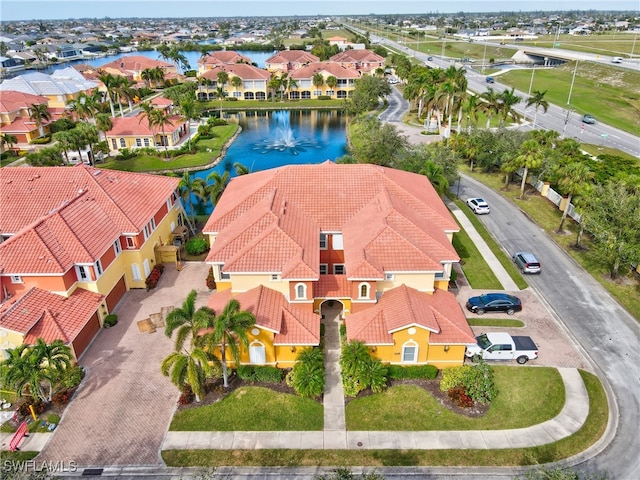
{"type": "Point", "coordinates": [331, 311]}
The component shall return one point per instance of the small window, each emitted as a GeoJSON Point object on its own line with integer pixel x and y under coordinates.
{"type": "Point", "coordinates": [82, 273]}
{"type": "Point", "coordinates": [152, 224]}
{"type": "Point", "coordinates": [323, 241]}
{"type": "Point", "coordinates": [301, 291]}
{"type": "Point", "coordinates": [364, 290]}
{"type": "Point", "coordinates": [147, 143]}
{"type": "Point", "coordinates": [439, 276]}
{"type": "Point", "coordinates": [336, 241]}
{"type": "Point", "coordinates": [324, 269]}
{"type": "Point", "coordinates": [131, 244]}
{"type": "Point", "coordinates": [146, 231]}
{"type": "Point", "coordinates": [114, 144]}
{"type": "Point", "coordinates": [116, 247]}
{"type": "Point", "coordinates": [275, 277]}
{"type": "Point", "coordinates": [99, 267]}
{"type": "Point", "coordinates": [338, 269]}
{"type": "Point", "coordinates": [123, 143]}
{"type": "Point", "coordinates": [389, 277]}
{"type": "Point", "coordinates": [16, 279]}
{"type": "Point", "coordinates": [409, 353]}
{"type": "Point", "coordinates": [138, 142]}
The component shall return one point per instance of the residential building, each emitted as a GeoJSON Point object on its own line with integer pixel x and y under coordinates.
{"type": "Point", "coordinates": [223, 57]}
{"type": "Point", "coordinates": [15, 116]}
{"type": "Point", "coordinates": [135, 132]}
{"type": "Point", "coordinates": [337, 81]}
{"type": "Point", "coordinates": [287, 61]}
{"type": "Point", "coordinates": [253, 86]}
{"type": "Point", "coordinates": [363, 61]}
{"type": "Point", "coordinates": [132, 67]}
{"type": "Point", "coordinates": [294, 242]}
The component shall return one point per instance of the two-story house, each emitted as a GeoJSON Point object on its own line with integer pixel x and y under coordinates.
{"type": "Point", "coordinates": [290, 242]}
{"type": "Point", "coordinates": [15, 116]}
{"type": "Point", "coordinates": [224, 57]}
{"type": "Point", "coordinates": [364, 61]}
{"type": "Point", "coordinates": [251, 84]}
{"type": "Point", "coordinates": [287, 61]}
{"type": "Point", "coordinates": [337, 81]}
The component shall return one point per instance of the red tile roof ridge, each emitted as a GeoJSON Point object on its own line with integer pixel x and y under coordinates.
{"type": "Point", "coordinates": [16, 302]}
{"type": "Point", "coordinates": [45, 324]}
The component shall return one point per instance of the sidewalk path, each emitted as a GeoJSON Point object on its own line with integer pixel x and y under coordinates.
{"type": "Point", "coordinates": [567, 422]}
{"type": "Point", "coordinates": [503, 277]}
{"type": "Point", "coordinates": [333, 401]}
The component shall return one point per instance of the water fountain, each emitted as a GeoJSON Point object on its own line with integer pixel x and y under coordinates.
{"type": "Point", "coordinates": [284, 139]}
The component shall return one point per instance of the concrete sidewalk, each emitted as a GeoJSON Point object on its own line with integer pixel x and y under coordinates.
{"type": "Point", "coordinates": [567, 422]}
{"type": "Point", "coordinates": [503, 277]}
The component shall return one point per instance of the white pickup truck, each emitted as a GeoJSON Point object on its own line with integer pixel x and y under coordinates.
{"type": "Point", "coordinates": [502, 346]}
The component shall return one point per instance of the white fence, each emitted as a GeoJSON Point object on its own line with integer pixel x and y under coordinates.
{"type": "Point", "coordinates": [554, 197]}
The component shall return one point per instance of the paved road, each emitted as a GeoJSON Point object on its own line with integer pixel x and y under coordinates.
{"type": "Point", "coordinates": [607, 333]}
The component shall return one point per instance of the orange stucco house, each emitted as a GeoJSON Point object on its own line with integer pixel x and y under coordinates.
{"type": "Point", "coordinates": [293, 242]}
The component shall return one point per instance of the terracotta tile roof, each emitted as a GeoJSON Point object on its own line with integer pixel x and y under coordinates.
{"type": "Point", "coordinates": [274, 313]}
{"type": "Point", "coordinates": [13, 101]}
{"type": "Point", "coordinates": [330, 68]}
{"type": "Point", "coordinates": [357, 56]}
{"type": "Point", "coordinates": [291, 56]}
{"type": "Point", "coordinates": [137, 63]}
{"type": "Point", "coordinates": [19, 125]}
{"type": "Point", "coordinates": [129, 199]}
{"type": "Point", "coordinates": [78, 232]}
{"type": "Point", "coordinates": [332, 286]}
{"type": "Point", "coordinates": [242, 70]}
{"type": "Point", "coordinates": [391, 221]}
{"type": "Point", "coordinates": [226, 56]}
{"type": "Point", "coordinates": [139, 126]}
{"type": "Point", "coordinates": [404, 307]}
{"type": "Point", "coordinates": [39, 313]}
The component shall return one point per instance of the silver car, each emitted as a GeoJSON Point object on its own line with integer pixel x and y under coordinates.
{"type": "Point", "coordinates": [527, 262]}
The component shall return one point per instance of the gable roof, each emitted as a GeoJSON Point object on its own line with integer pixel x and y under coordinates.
{"type": "Point", "coordinates": [13, 101]}
{"type": "Point", "coordinates": [242, 70]}
{"type": "Point", "coordinates": [139, 126]}
{"type": "Point", "coordinates": [136, 63]}
{"type": "Point", "coordinates": [224, 57]}
{"type": "Point", "coordinates": [329, 68]}
{"type": "Point", "coordinates": [274, 313]}
{"type": "Point", "coordinates": [405, 307]}
{"type": "Point", "coordinates": [129, 199]}
{"type": "Point", "coordinates": [42, 314]}
{"type": "Point", "coordinates": [292, 56]}
{"type": "Point", "coordinates": [392, 221]}
{"type": "Point", "coordinates": [357, 56]}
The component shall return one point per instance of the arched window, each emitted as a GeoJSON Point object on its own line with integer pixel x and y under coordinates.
{"type": "Point", "coordinates": [301, 291]}
{"type": "Point", "coordinates": [257, 353]}
{"type": "Point", "coordinates": [364, 290]}
{"type": "Point", "coordinates": [410, 352]}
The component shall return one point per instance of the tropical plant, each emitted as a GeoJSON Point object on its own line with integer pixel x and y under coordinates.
{"type": "Point", "coordinates": [39, 113]}
{"type": "Point", "coordinates": [573, 177]}
{"type": "Point", "coordinates": [230, 332]}
{"type": "Point", "coordinates": [530, 156]}
{"type": "Point", "coordinates": [8, 139]}
{"type": "Point", "coordinates": [307, 376]}
{"type": "Point", "coordinates": [189, 368]}
{"type": "Point", "coordinates": [103, 124]}
{"type": "Point", "coordinates": [188, 110]}
{"type": "Point", "coordinates": [189, 187]}
{"type": "Point", "coordinates": [217, 184]}
{"type": "Point", "coordinates": [157, 118]}
{"type": "Point", "coordinates": [110, 83]}
{"type": "Point", "coordinates": [537, 100]}
{"type": "Point", "coordinates": [53, 358]}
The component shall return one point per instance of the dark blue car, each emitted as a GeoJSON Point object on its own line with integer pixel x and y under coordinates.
{"type": "Point", "coordinates": [494, 302]}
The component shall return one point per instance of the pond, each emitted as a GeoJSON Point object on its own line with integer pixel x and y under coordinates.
{"type": "Point", "coordinates": [271, 139]}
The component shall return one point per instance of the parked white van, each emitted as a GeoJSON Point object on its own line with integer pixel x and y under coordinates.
{"type": "Point", "coordinates": [616, 60]}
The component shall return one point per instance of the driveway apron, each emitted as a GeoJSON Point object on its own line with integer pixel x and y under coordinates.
{"type": "Point", "coordinates": [122, 410]}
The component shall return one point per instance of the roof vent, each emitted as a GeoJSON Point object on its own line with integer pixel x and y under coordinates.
{"type": "Point", "coordinates": [96, 173]}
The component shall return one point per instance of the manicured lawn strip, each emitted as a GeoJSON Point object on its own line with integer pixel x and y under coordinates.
{"type": "Point", "coordinates": [478, 273]}
{"type": "Point", "coordinates": [227, 106]}
{"type": "Point", "coordinates": [203, 157]}
{"type": "Point", "coordinates": [590, 432]}
{"type": "Point", "coordinates": [503, 258]}
{"type": "Point", "coordinates": [17, 456]}
{"type": "Point", "coordinates": [495, 322]}
{"type": "Point", "coordinates": [518, 404]}
{"type": "Point", "coordinates": [547, 216]}
{"type": "Point", "coordinates": [252, 409]}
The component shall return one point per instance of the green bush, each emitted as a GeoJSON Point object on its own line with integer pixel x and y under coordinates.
{"type": "Point", "coordinates": [398, 372]}
{"type": "Point", "coordinates": [324, 97]}
{"type": "Point", "coordinates": [360, 370]}
{"type": "Point", "coordinates": [53, 418]}
{"type": "Point", "coordinates": [307, 376]}
{"type": "Point", "coordinates": [110, 320]}
{"type": "Point", "coordinates": [453, 377]}
{"type": "Point", "coordinates": [71, 377]}
{"type": "Point", "coordinates": [260, 374]}
{"type": "Point", "coordinates": [477, 381]}
{"type": "Point", "coordinates": [41, 140]}
{"type": "Point", "coordinates": [196, 246]}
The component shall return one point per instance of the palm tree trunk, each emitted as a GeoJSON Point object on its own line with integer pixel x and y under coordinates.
{"type": "Point", "coordinates": [564, 214]}
{"type": "Point", "coordinates": [223, 356]}
{"type": "Point", "coordinates": [524, 180]}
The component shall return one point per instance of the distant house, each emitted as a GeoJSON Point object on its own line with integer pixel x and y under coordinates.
{"type": "Point", "coordinates": [369, 243]}
{"type": "Point", "coordinates": [9, 66]}
{"type": "Point", "coordinates": [253, 86]}
{"type": "Point", "coordinates": [135, 132]}
{"type": "Point", "coordinates": [363, 61]}
{"type": "Point", "coordinates": [345, 81]}
{"type": "Point", "coordinates": [132, 67]}
{"type": "Point", "coordinates": [225, 57]}
{"type": "Point", "coordinates": [15, 115]}
{"type": "Point", "coordinates": [287, 61]}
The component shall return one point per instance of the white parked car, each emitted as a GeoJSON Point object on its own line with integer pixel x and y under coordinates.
{"type": "Point", "coordinates": [478, 205]}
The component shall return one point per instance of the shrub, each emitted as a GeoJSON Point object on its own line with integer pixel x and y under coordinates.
{"type": "Point", "coordinates": [196, 246]}
{"type": "Point", "coordinates": [259, 374]}
{"type": "Point", "coordinates": [38, 407]}
{"type": "Point", "coordinates": [343, 333]}
{"type": "Point", "coordinates": [61, 398]}
{"type": "Point", "coordinates": [211, 281]}
{"type": "Point", "coordinates": [41, 141]}
{"type": "Point", "coordinates": [187, 396]}
{"type": "Point", "coordinates": [460, 397]}
{"type": "Point", "coordinates": [324, 97]}
{"type": "Point", "coordinates": [477, 381]}
{"type": "Point", "coordinates": [308, 380]}
{"type": "Point", "coordinates": [71, 377]}
{"type": "Point", "coordinates": [245, 372]}
{"type": "Point", "coordinates": [110, 320]}
{"type": "Point", "coordinates": [154, 277]}
{"type": "Point", "coordinates": [398, 372]}
{"type": "Point", "coordinates": [453, 377]}
{"type": "Point", "coordinates": [53, 418]}
{"type": "Point", "coordinates": [61, 125]}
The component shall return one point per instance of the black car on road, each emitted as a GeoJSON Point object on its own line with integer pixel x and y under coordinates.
{"type": "Point", "coordinates": [494, 302]}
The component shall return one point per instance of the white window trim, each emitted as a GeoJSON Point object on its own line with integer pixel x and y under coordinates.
{"type": "Point", "coordinates": [87, 273]}
{"type": "Point", "coordinates": [324, 238]}
{"type": "Point", "coordinates": [254, 344]}
{"type": "Point", "coordinates": [360, 296]}
{"type": "Point", "coordinates": [324, 266]}
{"type": "Point", "coordinates": [410, 343]}
{"type": "Point", "coordinates": [135, 272]}
{"type": "Point", "coordinates": [117, 248]}
{"type": "Point", "coordinates": [275, 277]}
{"type": "Point", "coordinates": [131, 243]}
{"type": "Point", "coordinates": [390, 277]}
{"type": "Point", "coordinates": [304, 291]}
{"type": "Point", "coordinates": [337, 242]}
{"type": "Point", "coordinates": [98, 268]}
{"type": "Point", "coordinates": [16, 279]}
{"type": "Point", "coordinates": [338, 265]}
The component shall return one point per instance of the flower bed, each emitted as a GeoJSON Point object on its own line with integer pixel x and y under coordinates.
{"type": "Point", "coordinates": [154, 277]}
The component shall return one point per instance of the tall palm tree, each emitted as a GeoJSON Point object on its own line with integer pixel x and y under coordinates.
{"type": "Point", "coordinates": [110, 83]}
{"type": "Point", "coordinates": [221, 94]}
{"type": "Point", "coordinates": [22, 372]}
{"type": "Point", "coordinates": [435, 173]}
{"type": "Point", "coordinates": [90, 137]}
{"type": "Point", "coordinates": [537, 99]}
{"type": "Point", "coordinates": [147, 76]}
{"type": "Point", "coordinates": [186, 321]}
{"type": "Point", "coordinates": [471, 108]}
{"type": "Point", "coordinates": [217, 186]}
{"type": "Point", "coordinates": [190, 186]}
{"type": "Point", "coordinates": [103, 124]}
{"type": "Point", "coordinates": [191, 367]}
{"type": "Point", "coordinates": [39, 113]}
{"type": "Point", "coordinates": [86, 105]}
{"type": "Point", "coordinates": [317, 80]}
{"type": "Point", "coordinates": [230, 332]}
{"type": "Point", "coordinates": [507, 100]}
{"type": "Point", "coordinates": [490, 104]}
{"type": "Point", "coordinates": [530, 156]}
{"type": "Point", "coordinates": [332, 82]}
{"type": "Point", "coordinates": [573, 177]}
{"type": "Point", "coordinates": [65, 140]}
{"type": "Point", "coordinates": [236, 82]}
{"type": "Point", "coordinates": [157, 118]}
{"type": "Point", "coordinates": [188, 110]}
{"type": "Point", "coordinates": [9, 140]}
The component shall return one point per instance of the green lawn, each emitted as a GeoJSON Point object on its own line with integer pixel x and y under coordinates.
{"type": "Point", "coordinates": [590, 432]}
{"type": "Point", "coordinates": [518, 404]}
{"type": "Point", "coordinates": [495, 322]}
{"type": "Point", "coordinates": [478, 273]}
{"type": "Point", "coordinates": [227, 106]}
{"type": "Point", "coordinates": [252, 409]}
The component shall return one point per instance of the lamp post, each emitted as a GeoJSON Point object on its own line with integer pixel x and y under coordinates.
{"type": "Point", "coordinates": [484, 55]}
{"type": "Point", "coordinates": [573, 79]}
{"type": "Point", "coordinates": [633, 47]}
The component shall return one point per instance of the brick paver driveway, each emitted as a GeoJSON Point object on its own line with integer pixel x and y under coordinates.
{"type": "Point", "coordinates": [120, 414]}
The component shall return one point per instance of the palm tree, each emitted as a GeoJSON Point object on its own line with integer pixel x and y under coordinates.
{"type": "Point", "coordinates": [218, 185]}
{"type": "Point", "coordinates": [147, 76]}
{"type": "Point", "coordinates": [236, 82]}
{"type": "Point", "coordinates": [65, 139]}
{"type": "Point", "coordinates": [54, 359]}
{"type": "Point", "coordinates": [507, 101]}
{"type": "Point", "coordinates": [189, 368]}
{"type": "Point", "coordinates": [90, 136]}
{"type": "Point", "coordinates": [471, 108]}
{"type": "Point", "coordinates": [332, 82]}
{"type": "Point", "coordinates": [157, 118]}
{"type": "Point", "coordinates": [230, 332]}
{"type": "Point", "coordinates": [188, 109]}
{"type": "Point", "coordinates": [187, 321]}
{"type": "Point", "coordinates": [573, 177]}
{"type": "Point", "coordinates": [221, 94]}
{"type": "Point", "coordinates": [103, 124]}
{"type": "Point", "coordinates": [530, 157]}
{"type": "Point", "coordinates": [9, 140]}
{"type": "Point", "coordinates": [110, 83]}
{"type": "Point", "coordinates": [537, 99]}
{"type": "Point", "coordinates": [435, 173]}
{"type": "Point", "coordinates": [22, 372]}
{"type": "Point", "coordinates": [190, 186]}
{"type": "Point", "coordinates": [490, 104]}
{"type": "Point", "coordinates": [39, 114]}
{"type": "Point", "coordinates": [317, 80]}
{"type": "Point", "coordinates": [85, 106]}
{"type": "Point", "coordinates": [240, 169]}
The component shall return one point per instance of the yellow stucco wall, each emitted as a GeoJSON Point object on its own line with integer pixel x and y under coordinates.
{"type": "Point", "coordinates": [243, 283]}
{"type": "Point", "coordinates": [422, 282]}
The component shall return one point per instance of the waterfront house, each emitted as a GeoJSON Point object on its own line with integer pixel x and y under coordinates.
{"type": "Point", "coordinates": [252, 86]}
{"type": "Point", "coordinates": [337, 81]}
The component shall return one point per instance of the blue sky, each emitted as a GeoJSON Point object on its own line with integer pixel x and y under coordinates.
{"type": "Point", "coordinates": [61, 9]}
